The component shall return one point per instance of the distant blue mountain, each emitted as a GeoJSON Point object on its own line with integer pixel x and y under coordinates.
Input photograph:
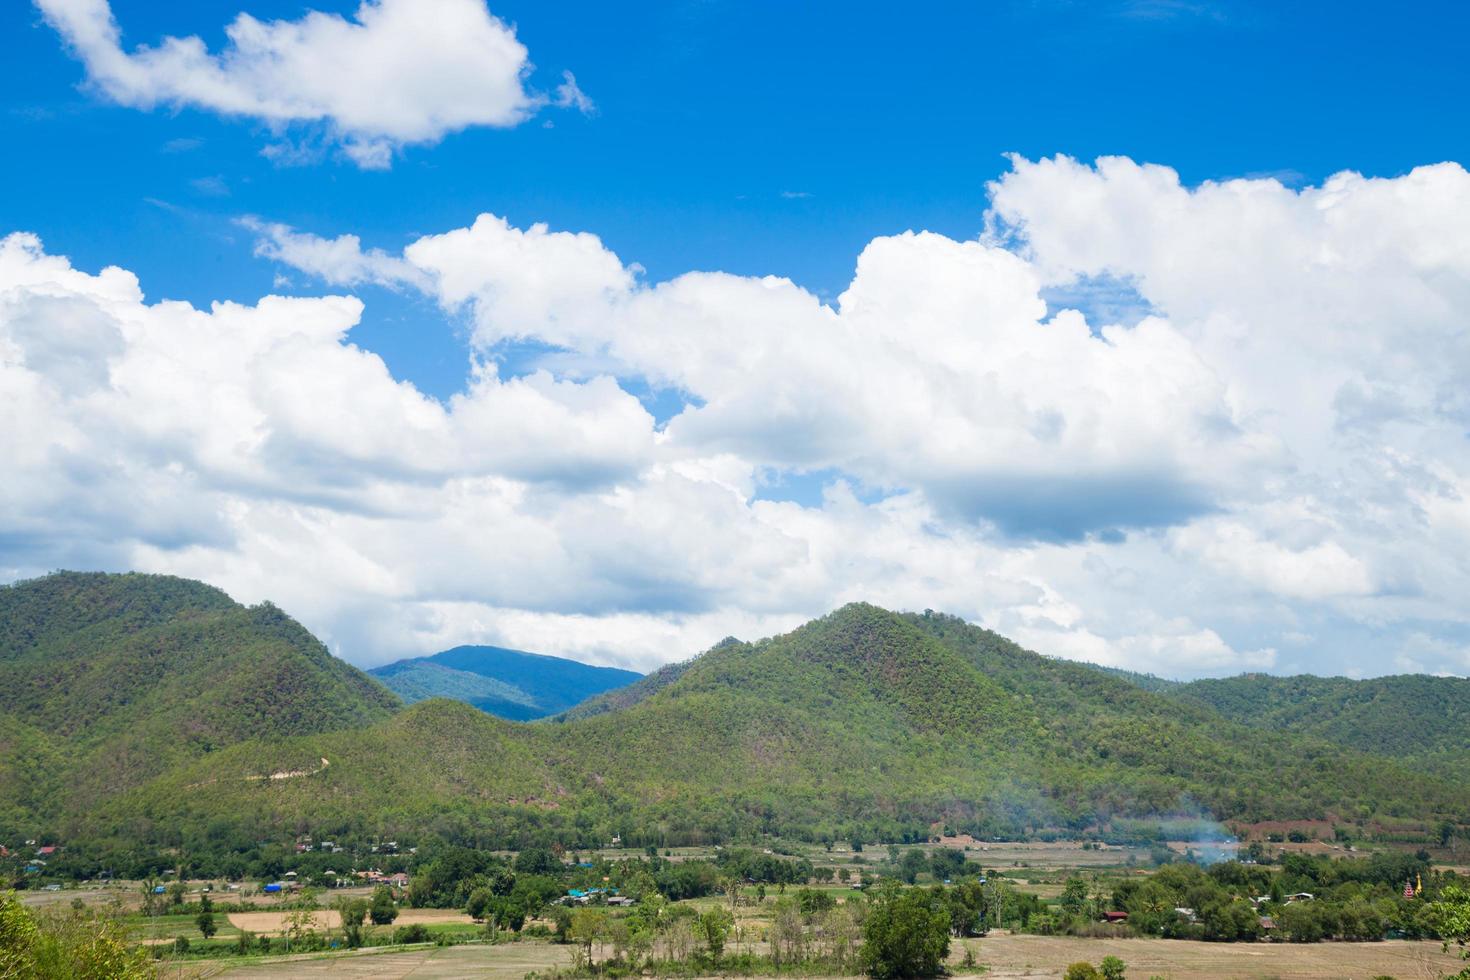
{"type": "Point", "coordinates": [508, 683]}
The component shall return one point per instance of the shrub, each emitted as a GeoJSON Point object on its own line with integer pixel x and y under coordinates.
{"type": "Point", "coordinates": [416, 933]}
{"type": "Point", "coordinates": [1081, 971]}
{"type": "Point", "coordinates": [73, 946]}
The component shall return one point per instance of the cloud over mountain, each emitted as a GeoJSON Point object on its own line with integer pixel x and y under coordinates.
{"type": "Point", "coordinates": [1265, 466]}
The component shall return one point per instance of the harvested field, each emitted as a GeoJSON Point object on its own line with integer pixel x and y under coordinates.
{"type": "Point", "coordinates": [1005, 956]}
{"type": "Point", "coordinates": [508, 962]}
{"type": "Point", "coordinates": [1047, 956]}
{"type": "Point", "coordinates": [274, 923]}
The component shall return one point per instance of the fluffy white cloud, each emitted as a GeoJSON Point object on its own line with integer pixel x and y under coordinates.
{"type": "Point", "coordinates": [1264, 467]}
{"type": "Point", "coordinates": [398, 72]}
{"type": "Point", "coordinates": [938, 368]}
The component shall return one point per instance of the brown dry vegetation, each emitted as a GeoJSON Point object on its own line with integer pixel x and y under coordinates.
{"type": "Point", "coordinates": [276, 923]}
{"type": "Point", "coordinates": [508, 962]}
{"type": "Point", "coordinates": [1005, 956]}
{"type": "Point", "coordinates": [1047, 956]}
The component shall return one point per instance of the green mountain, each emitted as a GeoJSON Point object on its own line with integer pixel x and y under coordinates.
{"type": "Point", "coordinates": [864, 722]}
{"type": "Point", "coordinates": [508, 683]}
{"type": "Point", "coordinates": [1412, 716]}
{"type": "Point", "coordinates": [107, 681]}
{"type": "Point", "coordinates": [222, 727]}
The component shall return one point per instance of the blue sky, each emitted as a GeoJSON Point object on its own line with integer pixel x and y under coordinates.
{"type": "Point", "coordinates": [711, 116]}
{"type": "Point", "coordinates": [1247, 447]}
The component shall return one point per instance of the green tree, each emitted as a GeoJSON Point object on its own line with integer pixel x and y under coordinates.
{"type": "Point", "coordinates": [479, 903]}
{"type": "Point", "coordinates": [1081, 970]}
{"type": "Point", "coordinates": [1112, 968]}
{"type": "Point", "coordinates": [1450, 916]}
{"type": "Point", "coordinates": [588, 926]}
{"type": "Point", "coordinates": [561, 921]}
{"type": "Point", "coordinates": [1303, 922]}
{"type": "Point", "coordinates": [150, 896]}
{"type": "Point", "coordinates": [541, 861]}
{"type": "Point", "coordinates": [713, 926]}
{"type": "Point", "coordinates": [353, 911]}
{"type": "Point", "coordinates": [382, 910]}
{"type": "Point", "coordinates": [205, 919]}
{"type": "Point", "coordinates": [1074, 896]}
{"type": "Point", "coordinates": [906, 934]}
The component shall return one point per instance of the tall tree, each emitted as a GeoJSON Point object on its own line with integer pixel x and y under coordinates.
{"type": "Point", "coordinates": [906, 934]}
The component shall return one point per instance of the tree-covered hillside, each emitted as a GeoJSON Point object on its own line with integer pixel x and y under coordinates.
{"type": "Point", "coordinates": [864, 723]}
{"type": "Point", "coordinates": [143, 711]}
{"type": "Point", "coordinates": [508, 683]}
{"type": "Point", "coordinates": [1411, 716]}
{"type": "Point", "coordinates": [117, 679]}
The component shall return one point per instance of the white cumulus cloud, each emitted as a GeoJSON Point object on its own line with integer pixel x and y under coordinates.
{"type": "Point", "coordinates": [397, 72]}
{"type": "Point", "coordinates": [1263, 466]}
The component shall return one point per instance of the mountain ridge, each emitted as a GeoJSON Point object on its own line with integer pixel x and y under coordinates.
{"type": "Point", "coordinates": [864, 723]}
{"type": "Point", "coordinates": [508, 683]}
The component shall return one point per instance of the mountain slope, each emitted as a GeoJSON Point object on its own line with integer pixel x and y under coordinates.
{"type": "Point", "coordinates": [1412, 716]}
{"type": "Point", "coordinates": [862, 722]}
{"type": "Point", "coordinates": [126, 676]}
{"type": "Point", "coordinates": [509, 683]}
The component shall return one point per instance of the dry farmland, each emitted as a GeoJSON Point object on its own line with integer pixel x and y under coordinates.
{"type": "Point", "coordinates": [1002, 955]}
{"type": "Point", "coordinates": [276, 923]}
{"type": "Point", "coordinates": [1047, 956]}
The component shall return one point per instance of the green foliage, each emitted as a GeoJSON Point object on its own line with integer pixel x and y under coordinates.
{"type": "Point", "coordinates": [1450, 918]}
{"type": "Point", "coordinates": [1112, 968]}
{"type": "Point", "coordinates": [713, 926]}
{"type": "Point", "coordinates": [382, 909]}
{"type": "Point", "coordinates": [1081, 970]}
{"type": "Point", "coordinates": [205, 919]}
{"type": "Point", "coordinates": [74, 945]}
{"type": "Point", "coordinates": [150, 715]}
{"type": "Point", "coordinates": [1413, 716]}
{"type": "Point", "coordinates": [415, 933]}
{"type": "Point", "coordinates": [906, 934]}
{"type": "Point", "coordinates": [353, 912]}
{"type": "Point", "coordinates": [131, 675]}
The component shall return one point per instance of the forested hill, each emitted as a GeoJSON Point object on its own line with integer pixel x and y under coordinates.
{"type": "Point", "coordinates": [109, 680]}
{"type": "Point", "coordinates": [864, 722]}
{"type": "Point", "coordinates": [1411, 716]}
{"type": "Point", "coordinates": [140, 710]}
{"type": "Point", "coordinates": [509, 683]}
